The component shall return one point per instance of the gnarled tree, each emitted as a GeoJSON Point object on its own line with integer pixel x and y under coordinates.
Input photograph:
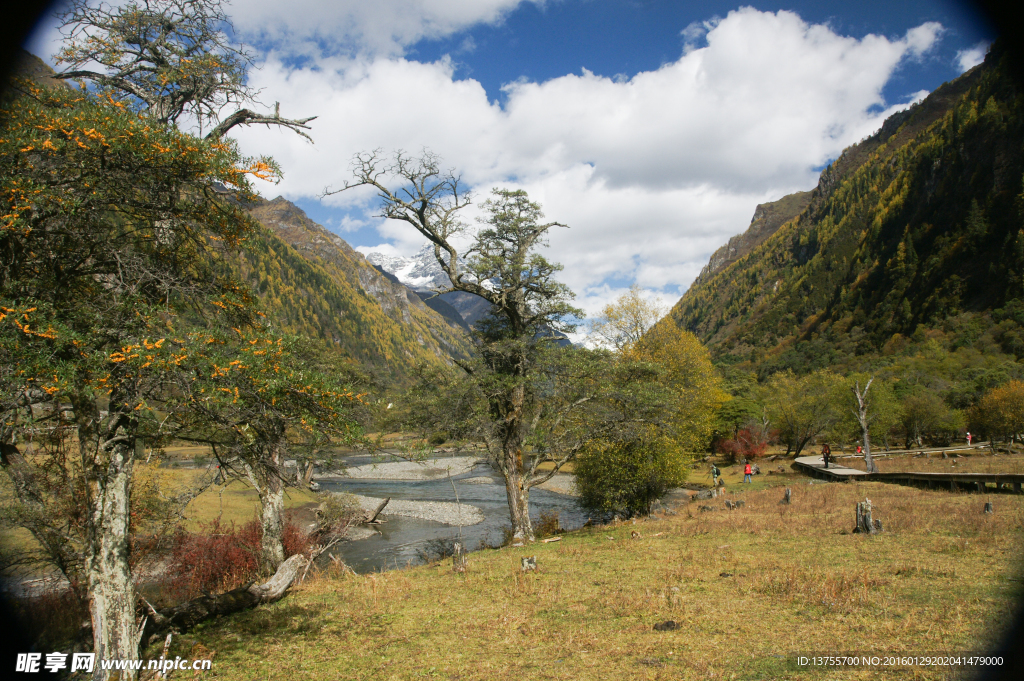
{"type": "Point", "coordinates": [106, 224]}
{"type": "Point", "coordinates": [172, 58]}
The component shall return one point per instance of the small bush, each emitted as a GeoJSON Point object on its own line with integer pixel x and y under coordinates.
{"type": "Point", "coordinates": [548, 524]}
{"type": "Point", "coordinates": [337, 512]}
{"type": "Point", "coordinates": [436, 549]}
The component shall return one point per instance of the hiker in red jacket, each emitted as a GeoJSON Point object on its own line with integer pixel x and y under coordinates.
{"type": "Point", "coordinates": [747, 472]}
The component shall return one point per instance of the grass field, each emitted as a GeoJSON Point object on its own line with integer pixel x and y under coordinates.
{"type": "Point", "coordinates": [747, 587]}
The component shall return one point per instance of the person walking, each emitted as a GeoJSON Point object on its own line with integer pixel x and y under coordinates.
{"type": "Point", "coordinates": [826, 454]}
{"type": "Point", "coordinates": [715, 474]}
{"type": "Point", "coordinates": [747, 472]}
{"type": "Point", "coordinates": [968, 438]}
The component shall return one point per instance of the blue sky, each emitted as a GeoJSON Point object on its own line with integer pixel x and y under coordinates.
{"type": "Point", "coordinates": [613, 37]}
{"type": "Point", "coordinates": [652, 128]}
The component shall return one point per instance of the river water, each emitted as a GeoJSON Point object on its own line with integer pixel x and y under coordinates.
{"type": "Point", "coordinates": [402, 539]}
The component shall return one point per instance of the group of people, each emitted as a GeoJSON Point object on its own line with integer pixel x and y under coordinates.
{"type": "Point", "coordinates": [719, 482]}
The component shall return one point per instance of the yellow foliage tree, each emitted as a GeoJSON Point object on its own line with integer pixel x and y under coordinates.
{"type": "Point", "coordinates": [1001, 411]}
{"type": "Point", "coordinates": [623, 323]}
{"type": "Point", "coordinates": [690, 374]}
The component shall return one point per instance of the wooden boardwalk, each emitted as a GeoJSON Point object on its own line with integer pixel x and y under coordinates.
{"type": "Point", "coordinates": [973, 482]}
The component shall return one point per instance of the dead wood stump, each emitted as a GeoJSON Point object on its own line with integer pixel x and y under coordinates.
{"type": "Point", "coordinates": [739, 504]}
{"type": "Point", "coordinates": [865, 523]}
{"type": "Point", "coordinates": [729, 505]}
{"type": "Point", "coordinates": [788, 498]}
{"type": "Point", "coordinates": [989, 508]}
{"type": "Point", "coordinates": [460, 558]}
{"type": "Point", "coordinates": [529, 564]}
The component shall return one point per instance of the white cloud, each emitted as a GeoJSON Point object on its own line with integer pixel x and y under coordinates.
{"type": "Point", "coordinates": [358, 26]}
{"type": "Point", "coordinates": [653, 173]}
{"type": "Point", "coordinates": [972, 56]}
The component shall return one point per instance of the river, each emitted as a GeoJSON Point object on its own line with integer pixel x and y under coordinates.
{"type": "Point", "coordinates": [401, 539]}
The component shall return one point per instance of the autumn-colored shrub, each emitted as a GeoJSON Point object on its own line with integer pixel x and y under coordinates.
{"type": "Point", "coordinates": [749, 443]}
{"type": "Point", "coordinates": [220, 558]}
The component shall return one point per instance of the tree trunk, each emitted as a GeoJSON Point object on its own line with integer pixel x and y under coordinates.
{"type": "Point", "coordinates": [272, 521]}
{"type": "Point", "coordinates": [516, 490]}
{"type": "Point", "coordinates": [111, 592]}
{"type": "Point", "coordinates": [518, 503]}
{"type": "Point", "coordinates": [265, 476]}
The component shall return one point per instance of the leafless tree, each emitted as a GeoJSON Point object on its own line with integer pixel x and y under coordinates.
{"type": "Point", "coordinates": [864, 419]}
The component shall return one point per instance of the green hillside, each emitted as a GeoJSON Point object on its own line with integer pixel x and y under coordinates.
{"type": "Point", "coordinates": [311, 283]}
{"type": "Point", "coordinates": [917, 229]}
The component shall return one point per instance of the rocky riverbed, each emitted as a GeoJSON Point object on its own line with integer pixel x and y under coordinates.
{"type": "Point", "coordinates": [459, 515]}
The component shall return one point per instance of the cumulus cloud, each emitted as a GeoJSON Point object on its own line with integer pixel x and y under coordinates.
{"type": "Point", "coordinates": [652, 172]}
{"type": "Point", "coordinates": [358, 26]}
{"type": "Point", "coordinates": [972, 56]}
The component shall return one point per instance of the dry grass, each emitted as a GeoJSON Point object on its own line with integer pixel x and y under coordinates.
{"type": "Point", "coordinates": [748, 588]}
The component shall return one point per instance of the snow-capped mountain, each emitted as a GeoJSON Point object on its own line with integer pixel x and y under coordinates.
{"type": "Point", "coordinates": [420, 272]}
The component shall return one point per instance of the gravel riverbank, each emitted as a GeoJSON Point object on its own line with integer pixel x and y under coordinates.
{"type": "Point", "coordinates": [429, 469]}
{"type": "Point", "coordinates": [445, 512]}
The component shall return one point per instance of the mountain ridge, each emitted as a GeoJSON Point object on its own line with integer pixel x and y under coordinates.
{"type": "Point", "coordinates": [915, 224]}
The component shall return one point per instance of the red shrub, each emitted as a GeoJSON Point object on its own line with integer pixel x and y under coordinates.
{"type": "Point", "coordinates": [220, 558]}
{"type": "Point", "coordinates": [749, 443]}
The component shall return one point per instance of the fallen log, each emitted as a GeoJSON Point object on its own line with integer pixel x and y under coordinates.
{"type": "Point", "coordinates": [373, 518]}
{"type": "Point", "coordinates": [185, 616]}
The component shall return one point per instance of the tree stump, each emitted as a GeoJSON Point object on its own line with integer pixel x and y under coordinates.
{"type": "Point", "coordinates": [865, 524]}
{"type": "Point", "coordinates": [729, 505]}
{"type": "Point", "coordinates": [529, 564]}
{"type": "Point", "coordinates": [788, 498]}
{"type": "Point", "coordinates": [739, 503]}
{"type": "Point", "coordinates": [989, 508]}
{"type": "Point", "coordinates": [460, 559]}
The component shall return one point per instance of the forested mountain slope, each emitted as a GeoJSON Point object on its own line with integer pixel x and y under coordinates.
{"type": "Point", "coordinates": [312, 283]}
{"type": "Point", "coordinates": [918, 226]}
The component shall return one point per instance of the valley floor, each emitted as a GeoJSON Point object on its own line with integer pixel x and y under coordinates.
{"type": "Point", "coordinates": [749, 588]}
